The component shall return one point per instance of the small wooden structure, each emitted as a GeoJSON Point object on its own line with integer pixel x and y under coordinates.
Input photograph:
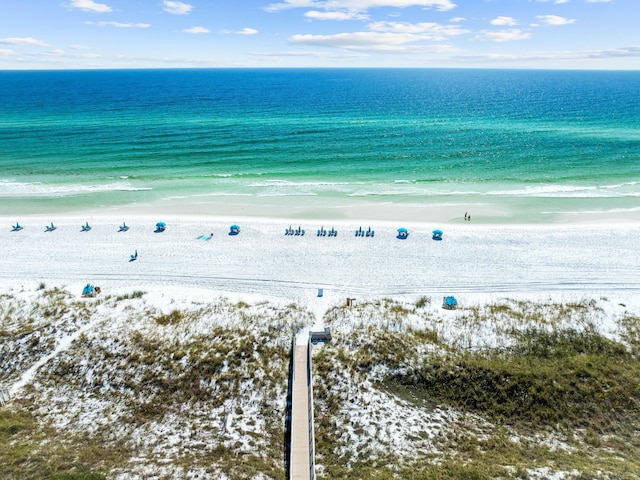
{"type": "Point", "coordinates": [322, 336]}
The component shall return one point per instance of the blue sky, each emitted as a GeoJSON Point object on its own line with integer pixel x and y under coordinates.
{"type": "Point", "coordinates": [72, 34]}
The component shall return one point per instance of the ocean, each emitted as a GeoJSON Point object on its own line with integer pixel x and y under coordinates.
{"type": "Point", "coordinates": [509, 145]}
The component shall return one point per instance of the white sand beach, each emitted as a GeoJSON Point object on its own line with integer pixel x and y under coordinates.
{"type": "Point", "coordinates": [278, 276]}
{"type": "Point", "coordinates": [472, 260]}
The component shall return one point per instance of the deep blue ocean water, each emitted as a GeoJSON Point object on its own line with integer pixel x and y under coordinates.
{"type": "Point", "coordinates": [540, 141]}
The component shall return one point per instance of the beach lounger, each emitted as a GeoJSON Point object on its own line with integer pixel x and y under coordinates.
{"type": "Point", "coordinates": [133, 257]}
{"type": "Point", "coordinates": [86, 227]}
{"type": "Point", "coordinates": [123, 227]}
{"type": "Point", "coordinates": [17, 227]}
{"type": "Point", "coordinates": [50, 228]}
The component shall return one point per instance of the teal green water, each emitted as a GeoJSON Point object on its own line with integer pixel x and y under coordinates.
{"type": "Point", "coordinates": [541, 142]}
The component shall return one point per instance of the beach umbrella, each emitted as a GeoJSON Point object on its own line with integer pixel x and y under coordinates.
{"type": "Point", "coordinates": [161, 225]}
{"type": "Point", "coordinates": [402, 230]}
{"type": "Point", "coordinates": [437, 232]}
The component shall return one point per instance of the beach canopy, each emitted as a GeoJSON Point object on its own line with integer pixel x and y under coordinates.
{"type": "Point", "coordinates": [161, 225]}
{"type": "Point", "coordinates": [437, 232]}
{"type": "Point", "coordinates": [449, 303]}
{"type": "Point", "coordinates": [403, 230]}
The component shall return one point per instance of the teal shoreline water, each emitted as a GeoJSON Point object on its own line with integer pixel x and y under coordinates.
{"type": "Point", "coordinates": [509, 146]}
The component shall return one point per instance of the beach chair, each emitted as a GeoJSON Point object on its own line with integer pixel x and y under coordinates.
{"type": "Point", "coordinates": [86, 227]}
{"type": "Point", "coordinates": [123, 227]}
{"type": "Point", "coordinates": [134, 257]}
{"type": "Point", "coordinates": [17, 227]}
{"type": "Point", "coordinates": [50, 228]}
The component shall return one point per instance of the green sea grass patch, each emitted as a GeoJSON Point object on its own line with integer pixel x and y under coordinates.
{"type": "Point", "coordinates": [563, 378]}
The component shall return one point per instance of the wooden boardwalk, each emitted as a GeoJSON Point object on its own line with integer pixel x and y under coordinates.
{"type": "Point", "coordinates": [302, 436]}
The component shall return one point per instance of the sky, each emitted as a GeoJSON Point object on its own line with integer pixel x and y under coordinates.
{"type": "Point", "coordinates": [98, 34]}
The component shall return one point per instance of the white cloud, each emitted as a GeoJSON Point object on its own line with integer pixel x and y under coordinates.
{"type": "Point", "coordinates": [599, 1]}
{"type": "Point", "coordinates": [504, 21]}
{"type": "Point", "coordinates": [458, 20]}
{"type": "Point", "coordinates": [557, 2]}
{"type": "Point", "coordinates": [90, 6]}
{"type": "Point", "coordinates": [244, 31]}
{"type": "Point", "coordinates": [349, 15]}
{"type": "Point", "coordinates": [196, 30]}
{"type": "Point", "coordinates": [360, 5]}
{"type": "Point", "coordinates": [177, 8]}
{"type": "Point", "coordinates": [5, 52]}
{"type": "Point", "coordinates": [119, 24]}
{"type": "Point", "coordinates": [427, 31]}
{"type": "Point", "coordinates": [308, 53]}
{"type": "Point", "coordinates": [502, 35]}
{"type": "Point", "coordinates": [79, 47]}
{"type": "Point", "coordinates": [371, 41]}
{"type": "Point", "coordinates": [554, 20]}
{"type": "Point", "coordinates": [23, 41]}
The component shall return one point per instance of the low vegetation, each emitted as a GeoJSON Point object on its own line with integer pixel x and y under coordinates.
{"type": "Point", "coordinates": [510, 389]}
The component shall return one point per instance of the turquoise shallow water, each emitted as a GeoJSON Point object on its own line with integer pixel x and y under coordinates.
{"type": "Point", "coordinates": [538, 143]}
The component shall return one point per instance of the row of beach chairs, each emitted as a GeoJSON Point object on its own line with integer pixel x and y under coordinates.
{"type": "Point", "coordinates": [323, 232]}
{"type": "Point", "coordinates": [362, 233]}
{"type": "Point", "coordinates": [297, 232]}
{"type": "Point", "coordinates": [403, 233]}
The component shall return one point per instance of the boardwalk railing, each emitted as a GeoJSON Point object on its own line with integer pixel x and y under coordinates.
{"type": "Point", "coordinates": [312, 438]}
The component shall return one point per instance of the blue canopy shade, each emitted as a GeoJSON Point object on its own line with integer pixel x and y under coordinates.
{"type": "Point", "coordinates": [450, 301]}
{"type": "Point", "coordinates": [437, 232]}
{"type": "Point", "coordinates": [161, 224]}
{"type": "Point", "coordinates": [402, 230]}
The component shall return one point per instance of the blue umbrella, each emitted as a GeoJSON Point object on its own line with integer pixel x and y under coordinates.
{"type": "Point", "coordinates": [161, 224]}
{"type": "Point", "coordinates": [402, 230]}
{"type": "Point", "coordinates": [437, 232]}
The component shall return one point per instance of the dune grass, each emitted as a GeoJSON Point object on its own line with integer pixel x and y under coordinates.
{"type": "Point", "coordinates": [511, 390]}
